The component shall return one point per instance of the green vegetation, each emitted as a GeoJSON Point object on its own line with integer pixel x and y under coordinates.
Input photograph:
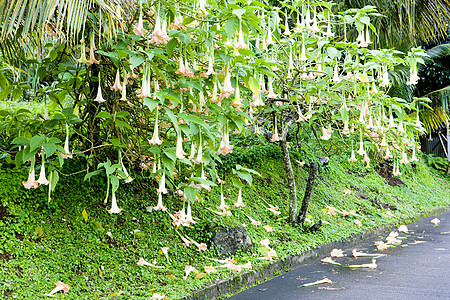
{"type": "Point", "coordinates": [42, 242]}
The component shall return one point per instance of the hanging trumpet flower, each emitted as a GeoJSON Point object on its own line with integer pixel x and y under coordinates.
{"type": "Point", "coordinates": [92, 59]}
{"type": "Point", "coordinates": [99, 91]}
{"type": "Point", "coordinates": [31, 182]}
{"type": "Point", "coordinates": [42, 179]}
{"type": "Point", "coordinates": [67, 153]}
{"type": "Point", "coordinates": [155, 138]}
{"type": "Point", "coordinates": [114, 207]}
{"type": "Point", "coordinates": [117, 86]}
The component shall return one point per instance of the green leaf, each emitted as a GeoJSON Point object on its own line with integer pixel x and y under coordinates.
{"type": "Point", "coordinates": [253, 84]}
{"type": "Point", "coordinates": [104, 115]}
{"type": "Point", "coordinates": [236, 182]}
{"type": "Point", "coordinates": [185, 38]}
{"type": "Point", "coordinates": [5, 92]}
{"type": "Point", "coordinates": [171, 46]}
{"type": "Point", "coordinates": [41, 72]}
{"type": "Point", "coordinates": [3, 81]}
{"type": "Point", "coordinates": [85, 215]}
{"type": "Point", "coordinates": [16, 93]}
{"type": "Point", "coordinates": [151, 103]}
{"type": "Point", "coordinates": [190, 193]}
{"type": "Point", "coordinates": [49, 149]}
{"type": "Point", "coordinates": [114, 183]}
{"type": "Point", "coordinates": [365, 20]}
{"type": "Point", "coordinates": [239, 12]}
{"type": "Point", "coordinates": [231, 26]}
{"type": "Point", "coordinates": [332, 52]}
{"type": "Point", "coordinates": [36, 142]}
{"type": "Point", "coordinates": [136, 61]}
{"type": "Point", "coordinates": [172, 117]}
{"type": "Point", "coordinates": [21, 141]}
{"type": "Point", "coordinates": [93, 173]}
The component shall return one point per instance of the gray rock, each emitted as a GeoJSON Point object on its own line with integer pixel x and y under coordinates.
{"type": "Point", "coordinates": [231, 239]}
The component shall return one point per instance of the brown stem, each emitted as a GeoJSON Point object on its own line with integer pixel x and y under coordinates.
{"type": "Point", "coordinates": [308, 191]}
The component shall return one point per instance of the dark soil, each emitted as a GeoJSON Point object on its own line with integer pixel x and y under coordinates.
{"type": "Point", "coordinates": [4, 213]}
{"type": "Point", "coordinates": [385, 170]}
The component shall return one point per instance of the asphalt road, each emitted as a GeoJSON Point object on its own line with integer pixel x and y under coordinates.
{"type": "Point", "coordinates": [419, 268]}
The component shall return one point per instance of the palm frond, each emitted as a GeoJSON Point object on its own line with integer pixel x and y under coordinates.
{"type": "Point", "coordinates": [67, 17]}
{"type": "Point", "coordinates": [432, 119]}
{"type": "Point", "coordinates": [439, 51]}
{"type": "Point", "coordinates": [406, 22]}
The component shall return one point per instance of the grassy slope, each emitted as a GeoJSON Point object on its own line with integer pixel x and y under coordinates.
{"type": "Point", "coordinates": [97, 266]}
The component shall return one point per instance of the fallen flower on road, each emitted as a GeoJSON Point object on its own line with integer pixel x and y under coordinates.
{"type": "Point", "coordinates": [356, 253]}
{"type": "Point", "coordinates": [337, 253]}
{"type": "Point", "coordinates": [372, 265]}
{"type": "Point", "coordinates": [392, 238]}
{"type": "Point", "coordinates": [322, 281]}
{"type": "Point", "coordinates": [436, 222]}
{"type": "Point", "coordinates": [328, 260]}
{"type": "Point", "coordinates": [381, 246]}
{"type": "Point", "coordinates": [403, 228]}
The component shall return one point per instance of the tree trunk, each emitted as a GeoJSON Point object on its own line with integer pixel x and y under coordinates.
{"type": "Point", "coordinates": [290, 174]}
{"type": "Point", "coordinates": [291, 182]}
{"type": "Point", "coordinates": [308, 191]}
{"type": "Point", "coordinates": [448, 140]}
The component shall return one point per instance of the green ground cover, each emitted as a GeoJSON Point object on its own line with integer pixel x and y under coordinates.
{"type": "Point", "coordinates": [43, 243]}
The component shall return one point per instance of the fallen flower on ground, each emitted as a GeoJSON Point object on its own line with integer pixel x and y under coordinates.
{"type": "Point", "coordinates": [269, 256]}
{"type": "Point", "coordinates": [268, 228]}
{"type": "Point", "coordinates": [265, 243]}
{"type": "Point", "coordinates": [274, 209]}
{"type": "Point", "coordinates": [209, 269]}
{"type": "Point", "coordinates": [331, 211]}
{"type": "Point", "coordinates": [158, 296]}
{"type": "Point", "coordinates": [231, 266]}
{"type": "Point", "coordinates": [337, 253]}
{"type": "Point", "coordinates": [200, 246]}
{"type": "Point", "coordinates": [248, 265]}
{"type": "Point", "coordinates": [60, 286]}
{"type": "Point", "coordinates": [188, 270]}
{"type": "Point", "coordinates": [142, 262]}
{"type": "Point", "coordinates": [322, 281]}
{"type": "Point", "coordinates": [254, 222]}
{"type": "Point", "coordinates": [164, 251]}
{"type": "Point", "coordinates": [347, 192]}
